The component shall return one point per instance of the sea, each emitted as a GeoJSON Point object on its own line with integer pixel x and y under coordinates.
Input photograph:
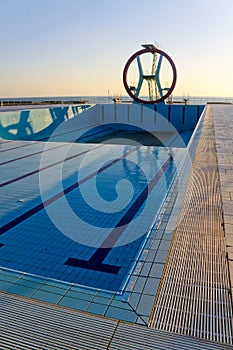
{"type": "Point", "coordinates": [196, 100]}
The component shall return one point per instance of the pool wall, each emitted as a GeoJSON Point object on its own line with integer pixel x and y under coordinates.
{"type": "Point", "coordinates": [160, 117]}
{"type": "Point", "coordinates": [39, 124]}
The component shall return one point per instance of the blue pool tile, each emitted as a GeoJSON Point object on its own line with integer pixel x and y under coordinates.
{"type": "Point", "coordinates": [146, 269]}
{"type": "Point", "coordinates": [161, 257]}
{"type": "Point", "coordinates": [7, 272]}
{"type": "Point", "coordinates": [121, 314]}
{"type": "Point", "coordinates": [5, 285]}
{"type": "Point", "coordinates": [76, 288]}
{"type": "Point", "coordinates": [98, 309]}
{"type": "Point", "coordinates": [164, 245]}
{"type": "Point", "coordinates": [168, 234]}
{"type": "Point", "coordinates": [139, 285]}
{"type": "Point", "coordinates": [77, 304]}
{"type": "Point", "coordinates": [151, 255]}
{"type": "Point", "coordinates": [145, 305]}
{"type": "Point", "coordinates": [155, 244]}
{"type": "Point", "coordinates": [46, 296]}
{"type": "Point", "coordinates": [151, 286]}
{"type": "Point", "coordinates": [100, 300]}
{"type": "Point", "coordinates": [8, 278]}
{"type": "Point", "coordinates": [159, 233]}
{"type": "Point", "coordinates": [79, 295]}
{"type": "Point", "coordinates": [156, 270]}
{"type": "Point", "coordinates": [145, 319]}
{"type": "Point", "coordinates": [141, 321]}
{"type": "Point", "coordinates": [134, 299]}
{"type": "Point", "coordinates": [21, 290]}
{"type": "Point", "coordinates": [53, 289]}
{"type": "Point", "coordinates": [119, 296]}
{"type": "Point", "coordinates": [29, 283]}
{"type": "Point", "coordinates": [103, 294]}
{"type": "Point", "coordinates": [58, 284]}
{"type": "Point", "coordinates": [35, 279]}
{"type": "Point", "coordinates": [121, 305]}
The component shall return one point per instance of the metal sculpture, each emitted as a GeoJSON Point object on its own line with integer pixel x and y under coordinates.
{"type": "Point", "coordinates": [156, 92]}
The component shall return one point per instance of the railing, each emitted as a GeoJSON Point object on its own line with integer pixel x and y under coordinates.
{"type": "Point", "coordinates": [19, 102]}
{"type": "Point", "coordinates": [196, 100]}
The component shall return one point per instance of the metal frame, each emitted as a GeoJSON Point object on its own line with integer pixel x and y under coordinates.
{"type": "Point", "coordinates": [154, 77]}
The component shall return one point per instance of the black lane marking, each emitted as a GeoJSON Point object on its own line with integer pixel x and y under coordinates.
{"type": "Point", "coordinates": [47, 150]}
{"type": "Point", "coordinates": [32, 154]}
{"type": "Point", "coordinates": [51, 137]}
{"type": "Point", "coordinates": [44, 168]}
{"type": "Point", "coordinates": [52, 199]}
{"type": "Point", "coordinates": [96, 261]}
{"type": "Point", "coordinates": [29, 143]}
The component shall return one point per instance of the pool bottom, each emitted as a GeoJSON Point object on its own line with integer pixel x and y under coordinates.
{"type": "Point", "coordinates": [98, 249]}
{"type": "Point", "coordinates": [133, 305]}
{"type": "Point", "coordinates": [109, 134]}
{"type": "Point", "coordinates": [132, 138]}
{"type": "Point", "coordinates": [32, 244]}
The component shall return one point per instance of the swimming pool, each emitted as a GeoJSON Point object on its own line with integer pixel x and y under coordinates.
{"type": "Point", "coordinates": [84, 222]}
{"type": "Point", "coordinates": [100, 248]}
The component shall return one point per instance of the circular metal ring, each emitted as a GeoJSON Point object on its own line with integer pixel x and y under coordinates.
{"type": "Point", "coordinates": [138, 53]}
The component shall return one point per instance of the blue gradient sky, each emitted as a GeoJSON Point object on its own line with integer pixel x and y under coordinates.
{"type": "Point", "coordinates": [78, 48]}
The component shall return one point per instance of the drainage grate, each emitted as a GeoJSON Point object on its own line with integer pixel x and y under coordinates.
{"type": "Point", "coordinates": [194, 295]}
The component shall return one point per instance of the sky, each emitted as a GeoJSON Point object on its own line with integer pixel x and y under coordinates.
{"type": "Point", "coordinates": [80, 47]}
